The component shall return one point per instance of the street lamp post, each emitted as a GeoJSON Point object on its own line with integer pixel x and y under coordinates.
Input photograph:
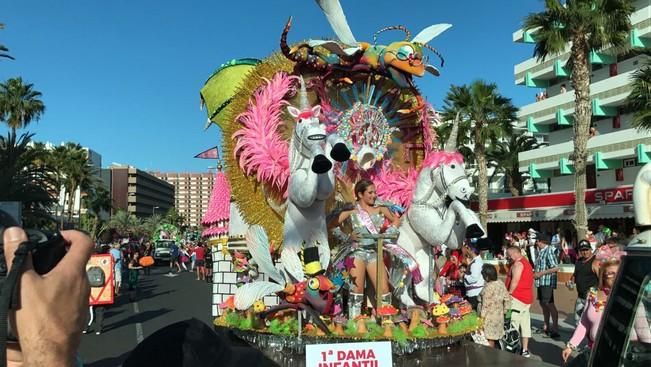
{"type": "Point", "coordinates": [153, 210]}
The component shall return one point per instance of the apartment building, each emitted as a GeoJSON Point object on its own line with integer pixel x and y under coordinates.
{"type": "Point", "coordinates": [616, 151]}
{"type": "Point", "coordinates": [191, 193]}
{"type": "Point", "coordinates": [138, 192]}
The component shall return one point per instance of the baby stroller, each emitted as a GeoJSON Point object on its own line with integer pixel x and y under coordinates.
{"type": "Point", "coordinates": [510, 342]}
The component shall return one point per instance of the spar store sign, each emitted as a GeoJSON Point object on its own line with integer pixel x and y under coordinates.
{"type": "Point", "coordinates": [615, 195]}
{"type": "Point", "coordinates": [376, 354]}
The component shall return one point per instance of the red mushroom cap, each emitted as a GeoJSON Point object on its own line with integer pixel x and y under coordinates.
{"type": "Point", "coordinates": [387, 310]}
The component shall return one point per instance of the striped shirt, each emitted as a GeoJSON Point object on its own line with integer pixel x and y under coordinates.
{"type": "Point", "coordinates": [545, 260]}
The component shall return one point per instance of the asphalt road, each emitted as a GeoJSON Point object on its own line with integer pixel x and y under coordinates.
{"type": "Point", "coordinates": [161, 301]}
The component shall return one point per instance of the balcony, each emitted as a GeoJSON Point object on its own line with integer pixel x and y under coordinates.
{"type": "Point", "coordinates": [605, 151]}
{"type": "Point", "coordinates": [640, 37]}
{"type": "Point", "coordinates": [607, 95]}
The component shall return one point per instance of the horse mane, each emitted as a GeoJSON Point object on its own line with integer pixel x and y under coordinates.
{"type": "Point", "coordinates": [398, 185]}
{"type": "Point", "coordinates": [437, 158]}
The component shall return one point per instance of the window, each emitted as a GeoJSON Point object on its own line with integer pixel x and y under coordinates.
{"type": "Point", "coordinates": [624, 338]}
{"type": "Point", "coordinates": [639, 350]}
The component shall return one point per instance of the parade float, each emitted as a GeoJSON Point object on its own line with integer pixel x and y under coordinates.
{"type": "Point", "coordinates": [300, 128]}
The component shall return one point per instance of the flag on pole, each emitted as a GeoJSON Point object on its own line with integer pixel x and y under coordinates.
{"type": "Point", "coordinates": [212, 153]}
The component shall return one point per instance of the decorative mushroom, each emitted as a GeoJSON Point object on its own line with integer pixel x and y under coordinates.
{"type": "Point", "coordinates": [326, 320]}
{"type": "Point", "coordinates": [228, 305]}
{"type": "Point", "coordinates": [339, 321]}
{"type": "Point", "coordinates": [360, 320]}
{"type": "Point", "coordinates": [442, 322]}
{"type": "Point", "coordinates": [386, 312]}
{"type": "Point", "coordinates": [465, 308]}
{"type": "Point", "coordinates": [446, 298]}
{"type": "Point", "coordinates": [454, 301]}
{"type": "Point", "coordinates": [253, 312]}
{"type": "Point", "coordinates": [440, 312]}
{"type": "Point", "coordinates": [417, 314]}
{"type": "Point", "coordinates": [455, 314]}
{"type": "Point", "coordinates": [401, 319]}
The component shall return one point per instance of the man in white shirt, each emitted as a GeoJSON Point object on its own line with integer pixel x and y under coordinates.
{"type": "Point", "coordinates": [473, 280]}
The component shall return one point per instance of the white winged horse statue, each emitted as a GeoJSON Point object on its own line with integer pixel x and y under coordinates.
{"type": "Point", "coordinates": [438, 213]}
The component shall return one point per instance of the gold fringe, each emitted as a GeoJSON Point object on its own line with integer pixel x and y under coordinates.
{"type": "Point", "coordinates": [246, 191]}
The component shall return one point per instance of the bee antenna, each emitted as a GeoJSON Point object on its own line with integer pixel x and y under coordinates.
{"type": "Point", "coordinates": [435, 52]}
{"type": "Point", "coordinates": [393, 28]}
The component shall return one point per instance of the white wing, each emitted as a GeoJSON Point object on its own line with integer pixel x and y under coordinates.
{"type": "Point", "coordinates": [292, 263]}
{"type": "Point", "coordinates": [337, 19]}
{"type": "Point", "coordinates": [430, 32]}
{"type": "Point", "coordinates": [324, 255]}
{"type": "Point", "coordinates": [258, 244]}
{"type": "Point", "coordinates": [247, 294]}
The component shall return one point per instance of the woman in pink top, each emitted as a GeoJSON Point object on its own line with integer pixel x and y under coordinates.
{"type": "Point", "coordinates": [596, 302]}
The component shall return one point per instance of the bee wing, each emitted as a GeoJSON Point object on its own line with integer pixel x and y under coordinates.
{"type": "Point", "coordinates": [334, 47]}
{"type": "Point", "coordinates": [247, 294]}
{"type": "Point", "coordinates": [337, 19]}
{"type": "Point", "coordinates": [430, 32]}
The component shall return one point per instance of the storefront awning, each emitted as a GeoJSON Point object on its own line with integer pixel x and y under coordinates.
{"type": "Point", "coordinates": [603, 211]}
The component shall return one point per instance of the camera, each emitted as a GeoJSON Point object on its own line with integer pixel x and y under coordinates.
{"type": "Point", "coordinates": [50, 246]}
{"type": "Point", "coordinates": [48, 249]}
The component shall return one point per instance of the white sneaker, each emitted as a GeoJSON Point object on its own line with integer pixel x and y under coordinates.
{"type": "Point", "coordinates": [526, 354]}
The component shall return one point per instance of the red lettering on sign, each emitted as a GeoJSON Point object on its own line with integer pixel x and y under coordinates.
{"type": "Point", "coordinates": [615, 195]}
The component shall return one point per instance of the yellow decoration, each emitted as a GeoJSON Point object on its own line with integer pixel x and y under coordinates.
{"type": "Point", "coordinates": [258, 306]}
{"type": "Point", "coordinates": [313, 267]}
{"type": "Point", "coordinates": [249, 194]}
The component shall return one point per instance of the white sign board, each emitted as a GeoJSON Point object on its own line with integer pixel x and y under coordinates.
{"type": "Point", "coordinates": [375, 354]}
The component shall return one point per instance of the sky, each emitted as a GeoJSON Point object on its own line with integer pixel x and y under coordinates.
{"type": "Point", "coordinates": [122, 77]}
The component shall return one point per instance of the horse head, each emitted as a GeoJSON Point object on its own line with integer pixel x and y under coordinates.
{"type": "Point", "coordinates": [448, 176]}
{"type": "Point", "coordinates": [444, 174]}
{"type": "Point", "coordinates": [309, 138]}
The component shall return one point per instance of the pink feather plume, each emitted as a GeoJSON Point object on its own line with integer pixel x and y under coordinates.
{"type": "Point", "coordinates": [396, 185]}
{"type": "Point", "coordinates": [261, 149]}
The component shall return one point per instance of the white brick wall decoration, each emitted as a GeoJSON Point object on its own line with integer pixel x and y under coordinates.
{"type": "Point", "coordinates": [224, 267]}
{"type": "Point", "coordinates": [224, 289]}
{"type": "Point", "coordinates": [230, 278]}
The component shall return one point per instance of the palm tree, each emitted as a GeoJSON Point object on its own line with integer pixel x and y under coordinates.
{"type": "Point", "coordinates": [486, 117]}
{"type": "Point", "coordinates": [3, 49]}
{"type": "Point", "coordinates": [19, 103]}
{"type": "Point", "coordinates": [639, 101]}
{"type": "Point", "coordinates": [150, 224]}
{"type": "Point", "coordinates": [97, 200]}
{"type": "Point", "coordinates": [173, 217]}
{"type": "Point", "coordinates": [23, 180]}
{"type": "Point", "coordinates": [503, 157]}
{"type": "Point", "coordinates": [586, 25]}
{"type": "Point", "coordinates": [124, 224]}
{"type": "Point", "coordinates": [78, 173]}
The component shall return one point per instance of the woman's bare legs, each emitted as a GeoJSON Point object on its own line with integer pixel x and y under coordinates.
{"type": "Point", "coordinates": [371, 268]}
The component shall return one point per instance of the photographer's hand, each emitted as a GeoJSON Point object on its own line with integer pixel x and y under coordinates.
{"type": "Point", "coordinates": [53, 307]}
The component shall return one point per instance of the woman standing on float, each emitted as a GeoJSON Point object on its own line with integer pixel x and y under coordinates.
{"type": "Point", "coordinates": [368, 218]}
